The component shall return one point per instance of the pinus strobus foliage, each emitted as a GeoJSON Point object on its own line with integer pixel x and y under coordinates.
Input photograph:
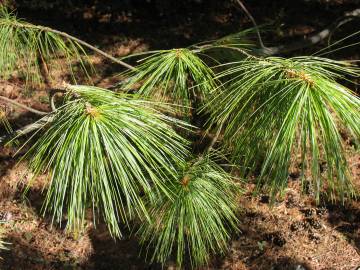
{"type": "Point", "coordinates": [197, 220]}
{"type": "Point", "coordinates": [25, 47]}
{"type": "Point", "coordinates": [103, 150]}
{"type": "Point", "coordinates": [275, 107]}
{"type": "Point", "coordinates": [176, 76]}
{"type": "Point", "coordinates": [127, 158]}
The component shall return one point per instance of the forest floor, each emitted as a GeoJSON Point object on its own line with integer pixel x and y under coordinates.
{"type": "Point", "coordinates": [294, 233]}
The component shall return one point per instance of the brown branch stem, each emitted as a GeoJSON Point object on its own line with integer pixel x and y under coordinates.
{"type": "Point", "coordinates": [215, 138]}
{"type": "Point", "coordinates": [17, 104]}
{"type": "Point", "coordinates": [26, 129]}
{"type": "Point", "coordinates": [243, 7]}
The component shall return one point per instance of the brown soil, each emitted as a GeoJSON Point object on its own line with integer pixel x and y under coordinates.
{"type": "Point", "coordinates": [295, 233]}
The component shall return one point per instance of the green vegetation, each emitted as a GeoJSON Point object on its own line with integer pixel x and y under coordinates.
{"type": "Point", "coordinates": [25, 47]}
{"type": "Point", "coordinates": [177, 76]}
{"type": "Point", "coordinates": [274, 107]}
{"type": "Point", "coordinates": [103, 150]}
{"type": "Point", "coordinates": [198, 218]}
{"type": "Point", "coordinates": [126, 159]}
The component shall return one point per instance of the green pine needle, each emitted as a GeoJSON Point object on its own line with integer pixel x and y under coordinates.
{"type": "Point", "coordinates": [230, 48]}
{"type": "Point", "coordinates": [3, 244]}
{"type": "Point", "coordinates": [5, 122]}
{"type": "Point", "coordinates": [198, 221]}
{"type": "Point", "coordinates": [178, 75]}
{"type": "Point", "coordinates": [107, 152]}
{"type": "Point", "coordinates": [275, 108]}
{"type": "Point", "coordinates": [23, 46]}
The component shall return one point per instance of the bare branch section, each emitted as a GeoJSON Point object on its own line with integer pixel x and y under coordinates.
{"type": "Point", "coordinates": [243, 7]}
{"type": "Point", "coordinates": [47, 117]}
{"type": "Point", "coordinates": [26, 129]}
{"type": "Point", "coordinates": [17, 104]}
{"type": "Point", "coordinates": [52, 94]}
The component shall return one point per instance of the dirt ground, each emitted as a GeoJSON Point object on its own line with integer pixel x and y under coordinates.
{"type": "Point", "coordinates": [294, 234]}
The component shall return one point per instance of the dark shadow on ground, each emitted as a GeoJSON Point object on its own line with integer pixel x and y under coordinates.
{"type": "Point", "coordinates": [346, 220]}
{"type": "Point", "coordinates": [111, 254]}
{"type": "Point", "coordinates": [257, 247]}
{"type": "Point", "coordinates": [23, 256]}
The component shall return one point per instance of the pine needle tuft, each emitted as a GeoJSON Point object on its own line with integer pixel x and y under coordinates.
{"type": "Point", "coordinates": [26, 47]}
{"type": "Point", "coordinates": [107, 152]}
{"type": "Point", "coordinates": [274, 109]}
{"type": "Point", "coordinates": [198, 221]}
{"type": "Point", "coordinates": [177, 75]}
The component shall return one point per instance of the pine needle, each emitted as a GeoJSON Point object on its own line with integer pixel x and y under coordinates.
{"type": "Point", "coordinates": [5, 122]}
{"type": "Point", "coordinates": [178, 76]}
{"type": "Point", "coordinates": [25, 47]}
{"type": "Point", "coordinates": [198, 221]}
{"type": "Point", "coordinates": [275, 108]}
{"type": "Point", "coordinates": [3, 244]}
{"type": "Point", "coordinates": [107, 152]}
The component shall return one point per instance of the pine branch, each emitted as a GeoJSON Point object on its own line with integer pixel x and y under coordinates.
{"type": "Point", "coordinates": [203, 48]}
{"type": "Point", "coordinates": [199, 220]}
{"type": "Point", "coordinates": [29, 49]}
{"type": "Point", "coordinates": [26, 129]}
{"type": "Point", "coordinates": [215, 138]}
{"type": "Point", "coordinates": [105, 150]}
{"type": "Point", "coordinates": [269, 104]}
{"type": "Point", "coordinates": [68, 36]}
{"type": "Point", "coordinates": [168, 75]}
{"type": "Point", "coordinates": [52, 94]}
{"type": "Point", "coordinates": [17, 104]}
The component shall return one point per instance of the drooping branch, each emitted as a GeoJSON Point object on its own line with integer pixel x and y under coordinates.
{"type": "Point", "coordinates": [47, 117]}
{"type": "Point", "coordinates": [70, 37]}
{"type": "Point", "coordinates": [28, 128]}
